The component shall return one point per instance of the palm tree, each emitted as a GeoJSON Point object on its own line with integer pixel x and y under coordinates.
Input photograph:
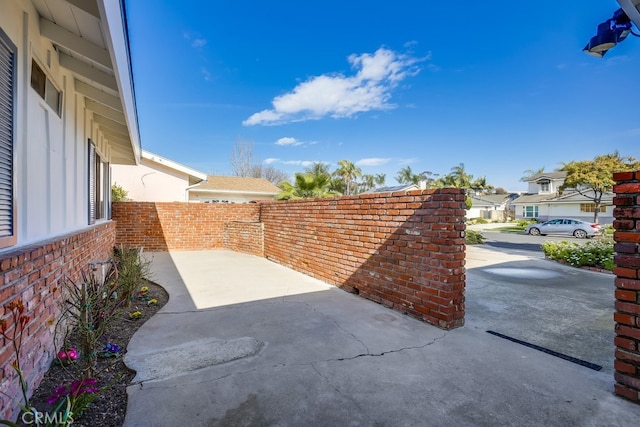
{"type": "Point", "coordinates": [306, 186]}
{"type": "Point", "coordinates": [461, 177]}
{"type": "Point", "coordinates": [480, 185]}
{"type": "Point", "coordinates": [318, 169]}
{"type": "Point", "coordinates": [348, 173]}
{"type": "Point", "coordinates": [380, 178]}
{"type": "Point", "coordinates": [406, 176]}
{"type": "Point", "coordinates": [531, 172]}
{"type": "Point", "coordinates": [368, 182]}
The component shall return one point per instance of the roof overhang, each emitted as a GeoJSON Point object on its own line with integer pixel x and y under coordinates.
{"type": "Point", "coordinates": [174, 165]}
{"type": "Point", "coordinates": [632, 9]}
{"type": "Point", "coordinates": [92, 43]}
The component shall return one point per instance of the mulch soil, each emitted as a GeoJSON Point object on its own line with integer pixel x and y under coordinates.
{"type": "Point", "coordinates": [109, 408]}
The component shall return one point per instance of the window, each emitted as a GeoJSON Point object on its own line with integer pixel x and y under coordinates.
{"type": "Point", "coordinates": [530, 211]}
{"type": "Point", "coordinates": [8, 52]}
{"type": "Point", "coordinates": [99, 186]}
{"type": "Point", "coordinates": [45, 88]}
{"type": "Point", "coordinates": [591, 207]}
{"type": "Point", "coordinates": [545, 186]}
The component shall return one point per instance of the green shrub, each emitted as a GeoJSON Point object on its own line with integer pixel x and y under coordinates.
{"type": "Point", "coordinates": [524, 222]}
{"type": "Point", "coordinates": [608, 230]}
{"type": "Point", "coordinates": [132, 268]}
{"type": "Point", "coordinates": [118, 194]}
{"type": "Point", "coordinates": [473, 238]}
{"type": "Point", "coordinates": [596, 253]}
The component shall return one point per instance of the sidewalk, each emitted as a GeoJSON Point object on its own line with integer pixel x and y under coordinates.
{"type": "Point", "coordinates": [244, 341]}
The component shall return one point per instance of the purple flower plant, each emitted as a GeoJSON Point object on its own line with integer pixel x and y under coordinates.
{"type": "Point", "coordinates": [111, 348]}
{"type": "Point", "coordinates": [77, 388]}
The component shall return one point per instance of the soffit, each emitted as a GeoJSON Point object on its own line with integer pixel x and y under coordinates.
{"type": "Point", "coordinates": [77, 31]}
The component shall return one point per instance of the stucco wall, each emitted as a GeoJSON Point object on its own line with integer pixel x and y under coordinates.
{"type": "Point", "coordinates": [151, 182]}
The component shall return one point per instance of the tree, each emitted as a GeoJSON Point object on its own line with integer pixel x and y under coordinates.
{"type": "Point", "coordinates": [368, 182]}
{"type": "Point", "coordinates": [118, 193]}
{"type": "Point", "coordinates": [480, 185]}
{"type": "Point", "coordinates": [306, 186]}
{"type": "Point", "coordinates": [500, 190]}
{"type": "Point", "coordinates": [461, 177]}
{"type": "Point", "coordinates": [268, 172]}
{"type": "Point", "coordinates": [348, 172]}
{"type": "Point", "coordinates": [242, 158]}
{"type": "Point", "coordinates": [531, 172]}
{"type": "Point", "coordinates": [406, 176]}
{"type": "Point", "coordinates": [243, 164]}
{"type": "Point", "coordinates": [593, 178]}
{"type": "Point", "coordinates": [380, 178]}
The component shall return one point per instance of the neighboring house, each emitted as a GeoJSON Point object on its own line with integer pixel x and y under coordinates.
{"type": "Point", "coordinates": [232, 189]}
{"type": "Point", "coordinates": [67, 113]}
{"type": "Point", "coordinates": [496, 207]}
{"type": "Point", "coordinates": [156, 179]}
{"type": "Point", "coordinates": [544, 202]}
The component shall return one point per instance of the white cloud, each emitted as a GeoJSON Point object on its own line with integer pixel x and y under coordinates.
{"type": "Point", "coordinates": [288, 141]}
{"type": "Point", "coordinates": [305, 163]}
{"type": "Point", "coordinates": [339, 96]}
{"type": "Point", "coordinates": [197, 43]}
{"type": "Point", "coordinates": [372, 161]}
{"type": "Point", "coordinates": [206, 74]}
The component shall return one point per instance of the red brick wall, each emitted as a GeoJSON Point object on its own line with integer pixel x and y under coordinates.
{"type": "Point", "coordinates": [244, 236]}
{"type": "Point", "coordinates": [627, 314]}
{"type": "Point", "coordinates": [177, 226]}
{"type": "Point", "coordinates": [403, 250]}
{"type": "Point", "coordinates": [32, 273]}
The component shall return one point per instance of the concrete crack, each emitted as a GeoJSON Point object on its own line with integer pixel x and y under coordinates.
{"type": "Point", "coordinates": [368, 354]}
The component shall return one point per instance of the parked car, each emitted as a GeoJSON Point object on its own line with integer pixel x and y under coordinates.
{"type": "Point", "coordinates": [574, 227]}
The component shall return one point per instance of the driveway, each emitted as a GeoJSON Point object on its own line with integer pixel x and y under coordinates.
{"type": "Point", "coordinates": [560, 308]}
{"type": "Point", "coordinates": [244, 341]}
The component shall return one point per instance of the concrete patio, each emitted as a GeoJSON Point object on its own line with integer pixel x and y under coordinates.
{"type": "Point", "coordinates": [244, 341]}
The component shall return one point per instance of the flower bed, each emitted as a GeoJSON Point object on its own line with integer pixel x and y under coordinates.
{"type": "Point", "coordinates": [595, 253]}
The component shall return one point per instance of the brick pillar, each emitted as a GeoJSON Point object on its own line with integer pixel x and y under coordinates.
{"type": "Point", "coordinates": [627, 315]}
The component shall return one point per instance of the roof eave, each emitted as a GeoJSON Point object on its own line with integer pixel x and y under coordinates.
{"type": "Point", "coordinates": [113, 17]}
{"type": "Point", "coordinates": [174, 165]}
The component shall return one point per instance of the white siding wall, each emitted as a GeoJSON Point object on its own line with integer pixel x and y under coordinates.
{"type": "Point", "coordinates": [151, 182]}
{"type": "Point", "coordinates": [51, 151]}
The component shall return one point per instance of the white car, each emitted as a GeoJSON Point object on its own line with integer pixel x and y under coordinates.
{"type": "Point", "coordinates": [574, 227]}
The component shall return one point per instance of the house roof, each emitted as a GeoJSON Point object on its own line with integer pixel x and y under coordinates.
{"type": "Point", "coordinates": [533, 198]}
{"type": "Point", "coordinates": [548, 175]}
{"type": "Point", "coordinates": [236, 184]}
{"type": "Point", "coordinates": [173, 165]}
{"type": "Point", "coordinates": [90, 37]}
{"type": "Point", "coordinates": [567, 197]}
{"type": "Point", "coordinates": [497, 199]}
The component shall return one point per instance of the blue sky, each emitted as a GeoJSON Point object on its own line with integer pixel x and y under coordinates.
{"type": "Point", "coordinates": [499, 86]}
